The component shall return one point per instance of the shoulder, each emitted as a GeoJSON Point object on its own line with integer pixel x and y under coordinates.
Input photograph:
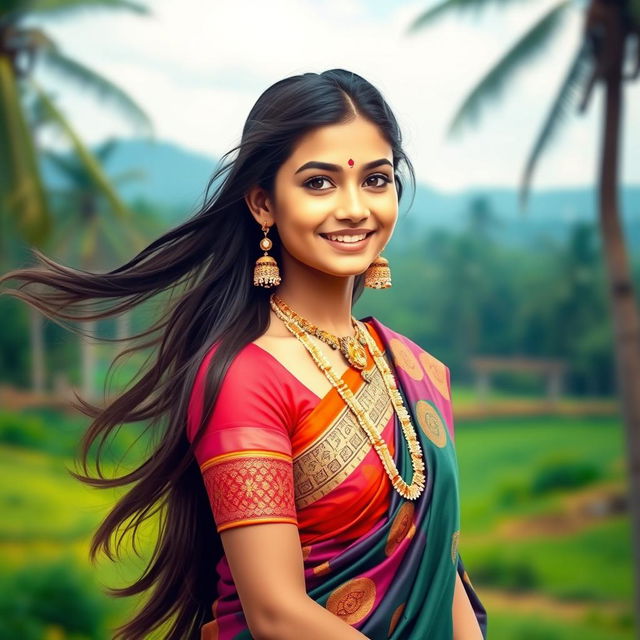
{"type": "Point", "coordinates": [397, 340]}
{"type": "Point", "coordinates": [252, 391]}
{"type": "Point", "coordinates": [410, 355]}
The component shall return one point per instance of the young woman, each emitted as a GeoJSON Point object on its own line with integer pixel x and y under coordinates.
{"type": "Point", "coordinates": [305, 473]}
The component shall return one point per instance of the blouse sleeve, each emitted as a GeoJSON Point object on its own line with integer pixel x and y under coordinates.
{"type": "Point", "coordinates": [245, 454]}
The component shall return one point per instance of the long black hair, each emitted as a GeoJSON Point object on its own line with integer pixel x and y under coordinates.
{"type": "Point", "coordinates": [206, 264]}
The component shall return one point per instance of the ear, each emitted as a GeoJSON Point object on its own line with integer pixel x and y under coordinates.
{"type": "Point", "coordinates": [259, 204]}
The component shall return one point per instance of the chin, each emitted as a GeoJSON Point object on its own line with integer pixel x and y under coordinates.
{"type": "Point", "coordinates": [348, 273]}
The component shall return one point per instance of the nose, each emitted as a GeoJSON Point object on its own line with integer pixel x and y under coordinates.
{"type": "Point", "coordinates": [354, 206]}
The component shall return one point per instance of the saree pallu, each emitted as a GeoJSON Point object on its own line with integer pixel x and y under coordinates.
{"type": "Point", "coordinates": [276, 452]}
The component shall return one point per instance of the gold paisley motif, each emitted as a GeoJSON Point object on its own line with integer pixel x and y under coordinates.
{"type": "Point", "coordinates": [353, 600]}
{"type": "Point", "coordinates": [395, 618]}
{"type": "Point", "coordinates": [436, 371]}
{"type": "Point", "coordinates": [400, 527]}
{"type": "Point", "coordinates": [321, 569]}
{"type": "Point", "coordinates": [454, 546]}
{"type": "Point", "coordinates": [431, 423]}
{"type": "Point", "coordinates": [404, 358]}
{"type": "Point", "coordinates": [306, 550]}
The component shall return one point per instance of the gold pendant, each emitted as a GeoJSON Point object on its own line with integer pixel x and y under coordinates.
{"type": "Point", "coordinates": [353, 351]}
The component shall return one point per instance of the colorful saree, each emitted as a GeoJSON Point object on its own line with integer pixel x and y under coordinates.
{"type": "Point", "coordinates": [274, 451]}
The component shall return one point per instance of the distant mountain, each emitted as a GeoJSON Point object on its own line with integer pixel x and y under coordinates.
{"type": "Point", "coordinates": [175, 176]}
{"type": "Point", "coordinates": [177, 179]}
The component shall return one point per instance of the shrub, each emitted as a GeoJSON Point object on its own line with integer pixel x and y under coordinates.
{"type": "Point", "coordinates": [513, 492]}
{"type": "Point", "coordinates": [563, 472]}
{"type": "Point", "coordinates": [500, 572]}
{"type": "Point", "coordinates": [37, 598]}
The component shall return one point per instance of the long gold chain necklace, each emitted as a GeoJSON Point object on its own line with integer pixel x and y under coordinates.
{"type": "Point", "coordinates": [412, 491]}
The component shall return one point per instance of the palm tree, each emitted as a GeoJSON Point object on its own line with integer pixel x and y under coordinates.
{"type": "Point", "coordinates": [24, 206]}
{"type": "Point", "coordinates": [610, 27]}
{"type": "Point", "coordinates": [90, 235]}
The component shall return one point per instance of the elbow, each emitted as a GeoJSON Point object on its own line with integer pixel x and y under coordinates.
{"type": "Point", "coordinates": [274, 622]}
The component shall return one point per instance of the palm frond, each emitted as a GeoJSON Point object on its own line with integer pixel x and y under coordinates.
{"type": "Point", "coordinates": [10, 10]}
{"type": "Point", "coordinates": [34, 38]}
{"type": "Point", "coordinates": [431, 15]}
{"type": "Point", "coordinates": [89, 160]}
{"type": "Point", "coordinates": [67, 165]}
{"type": "Point", "coordinates": [493, 83]}
{"type": "Point", "coordinates": [74, 71]}
{"type": "Point", "coordinates": [123, 242]}
{"type": "Point", "coordinates": [22, 192]}
{"type": "Point", "coordinates": [62, 7]}
{"type": "Point", "coordinates": [566, 98]}
{"type": "Point", "coordinates": [89, 241]}
{"type": "Point", "coordinates": [105, 149]}
{"type": "Point", "coordinates": [131, 175]}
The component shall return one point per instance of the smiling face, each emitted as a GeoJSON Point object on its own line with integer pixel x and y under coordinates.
{"type": "Point", "coordinates": [338, 180]}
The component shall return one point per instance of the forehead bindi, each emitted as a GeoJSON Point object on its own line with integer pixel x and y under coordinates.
{"type": "Point", "coordinates": [338, 168]}
{"type": "Point", "coordinates": [348, 146]}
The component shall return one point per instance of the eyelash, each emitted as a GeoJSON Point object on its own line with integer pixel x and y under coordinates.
{"type": "Point", "coordinates": [386, 179]}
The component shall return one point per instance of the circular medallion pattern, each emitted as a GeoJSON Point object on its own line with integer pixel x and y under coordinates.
{"type": "Point", "coordinates": [322, 568]}
{"type": "Point", "coordinates": [454, 546]}
{"type": "Point", "coordinates": [395, 618]}
{"type": "Point", "coordinates": [210, 630]}
{"type": "Point", "coordinates": [400, 527]}
{"type": "Point", "coordinates": [431, 423]}
{"type": "Point", "coordinates": [405, 360]}
{"type": "Point", "coordinates": [353, 600]}
{"type": "Point", "coordinates": [436, 371]}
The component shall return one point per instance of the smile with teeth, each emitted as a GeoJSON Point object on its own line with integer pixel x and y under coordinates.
{"type": "Point", "coordinates": [346, 238]}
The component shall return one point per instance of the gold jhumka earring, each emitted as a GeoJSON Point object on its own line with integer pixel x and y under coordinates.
{"type": "Point", "coordinates": [266, 273]}
{"type": "Point", "coordinates": [378, 275]}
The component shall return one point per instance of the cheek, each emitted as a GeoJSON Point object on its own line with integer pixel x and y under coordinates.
{"type": "Point", "coordinates": [298, 236]}
{"type": "Point", "coordinates": [301, 222]}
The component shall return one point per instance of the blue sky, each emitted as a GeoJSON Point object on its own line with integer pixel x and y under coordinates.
{"type": "Point", "coordinates": [197, 67]}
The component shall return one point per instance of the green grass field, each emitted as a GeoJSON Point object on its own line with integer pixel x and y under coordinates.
{"type": "Point", "coordinates": [567, 586]}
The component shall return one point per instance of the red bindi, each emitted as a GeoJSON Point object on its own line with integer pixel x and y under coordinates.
{"type": "Point", "coordinates": [351, 163]}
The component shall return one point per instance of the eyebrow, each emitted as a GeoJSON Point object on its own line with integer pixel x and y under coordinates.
{"type": "Point", "coordinates": [327, 166]}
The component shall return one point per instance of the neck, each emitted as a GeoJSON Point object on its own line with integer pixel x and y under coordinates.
{"type": "Point", "coordinates": [321, 299]}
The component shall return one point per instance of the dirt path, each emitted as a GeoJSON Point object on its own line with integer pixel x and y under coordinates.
{"type": "Point", "coordinates": [535, 603]}
{"type": "Point", "coordinates": [581, 509]}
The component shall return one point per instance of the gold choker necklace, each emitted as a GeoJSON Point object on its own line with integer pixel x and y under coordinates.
{"type": "Point", "coordinates": [415, 489]}
{"type": "Point", "coordinates": [352, 347]}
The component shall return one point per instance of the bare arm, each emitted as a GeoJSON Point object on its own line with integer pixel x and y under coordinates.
{"type": "Point", "coordinates": [268, 570]}
{"type": "Point", "coordinates": [465, 623]}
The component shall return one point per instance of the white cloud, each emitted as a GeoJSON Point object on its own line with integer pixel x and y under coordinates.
{"type": "Point", "coordinates": [197, 68]}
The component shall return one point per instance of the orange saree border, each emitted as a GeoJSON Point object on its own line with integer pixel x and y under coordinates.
{"type": "Point", "coordinates": [242, 454]}
{"type": "Point", "coordinates": [331, 404]}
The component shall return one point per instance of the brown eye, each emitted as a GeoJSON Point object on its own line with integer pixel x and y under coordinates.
{"type": "Point", "coordinates": [381, 176]}
{"type": "Point", "coordinates": [316, 179]}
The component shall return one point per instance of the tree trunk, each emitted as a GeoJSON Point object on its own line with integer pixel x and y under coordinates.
{"type": "Point", "coordinates": [36, 338]}
{"type": "Point", "coordinates": [88, 346]}
{"type": "Point", "coordinates": [621, 293]}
